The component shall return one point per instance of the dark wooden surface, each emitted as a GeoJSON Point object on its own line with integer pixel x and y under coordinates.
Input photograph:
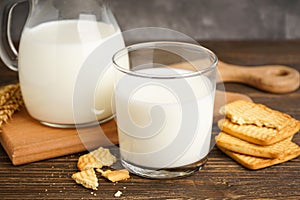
{"type": "Point", "coordinates": [221, 177]}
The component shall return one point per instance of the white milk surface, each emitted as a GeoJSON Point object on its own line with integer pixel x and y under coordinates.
{"type": "Point", "coordinates": [166, 146]}
{"type": "Point", "coordinates": [51, 56]}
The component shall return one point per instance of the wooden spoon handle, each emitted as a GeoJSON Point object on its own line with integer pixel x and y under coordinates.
{"type": "Point", "coordinates": [271, 78]}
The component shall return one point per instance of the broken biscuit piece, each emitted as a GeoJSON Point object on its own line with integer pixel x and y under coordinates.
{"type": "Point", "coordinates": [115, 176]}
{"type": "Point", "coordinates": [244, 112]}
{"type": "Point", "coordinates": [86, 178]}
{"type": "Point", "coordinates": [96, 159]}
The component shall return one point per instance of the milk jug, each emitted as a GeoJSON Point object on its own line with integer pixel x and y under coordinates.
{"type": "Point", "coordinates": [63, 44]}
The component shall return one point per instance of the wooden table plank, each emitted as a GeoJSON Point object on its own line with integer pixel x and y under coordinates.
{"type": "Point", "coordinates": [221, 176]}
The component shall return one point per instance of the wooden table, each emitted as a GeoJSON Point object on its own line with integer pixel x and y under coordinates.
{"type": "Point", "coordinates": [221, 176]}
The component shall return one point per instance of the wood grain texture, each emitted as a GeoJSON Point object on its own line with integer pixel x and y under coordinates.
{"type": "Point", "coordinates": [26, 140]}
{"type": "Point", "coordinates": [270, 78]}
{"type": "Point", "coordinates": [221, 178]}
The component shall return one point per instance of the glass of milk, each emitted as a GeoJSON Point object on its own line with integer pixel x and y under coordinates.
{"type": "Point", "coordinates": [164, 98]}
{"type": "Point", "coordinates": [57, 39]}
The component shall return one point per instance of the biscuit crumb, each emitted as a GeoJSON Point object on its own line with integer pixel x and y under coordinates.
{"type": "Point", "coordinates": [118, 193]}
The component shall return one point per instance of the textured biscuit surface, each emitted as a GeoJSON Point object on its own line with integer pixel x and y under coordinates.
{"type": "Point", "coordinates": [244, 112]}
{"type": "Point", "coordinates": [87, 178]}
{"type": "Point", "coordinates": [237, 145]}
{"type": "Point", "coordinates": [116, 175]}
{"type": "Point", "coordinates": [96, 159]}
{"type": "Point", "coordinates": [251, 162]}
{"type": "Point", "coordinates": [259, 135]}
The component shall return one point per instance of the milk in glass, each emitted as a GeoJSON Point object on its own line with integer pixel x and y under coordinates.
{"type": "Point", "coordinates": [148, 150]}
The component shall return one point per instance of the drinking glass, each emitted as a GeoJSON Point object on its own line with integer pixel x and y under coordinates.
{"type": "Point", "coordinates": [164, 100]}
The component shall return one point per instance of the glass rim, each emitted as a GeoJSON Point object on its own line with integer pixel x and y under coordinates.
{"type": "Point", "coordinates": [137, 46]}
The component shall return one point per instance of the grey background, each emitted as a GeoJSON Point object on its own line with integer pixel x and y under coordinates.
{"type": "Point", "coordinates": [206, 19]}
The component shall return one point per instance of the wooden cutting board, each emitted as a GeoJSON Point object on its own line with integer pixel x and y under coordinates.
{"type": "Point", "coordinates": [26, 140]}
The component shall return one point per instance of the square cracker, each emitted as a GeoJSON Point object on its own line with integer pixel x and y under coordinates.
{"type": "Point", "coordinates": [87, 178]}
{"type": "Point", "coordinates": [251, 162]}
{"type": "Point", "coordinates": [244, 112]}
{"type": "Point", "coordinates": [259, 135]}
{"type": "Point", "coordinates": [237, 145]}
{"type": "Point", "coordinates": [96, 159]}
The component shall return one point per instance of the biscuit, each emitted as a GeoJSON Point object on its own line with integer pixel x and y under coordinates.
{"type": "Point", "coordinates": [244, 112]}
{"type": "Point", "coordinates": [96, 159]}
{"type": "Point", "coordinates": [254, 163]}
{"type": "Point", "coordinates": [115, 176]}
{"type": "Point", "coordinates": [87, 178]}
{"type": "Point", "coordinates": [237, 145]}
{"type": "Point", "coordinates": [259, 135]}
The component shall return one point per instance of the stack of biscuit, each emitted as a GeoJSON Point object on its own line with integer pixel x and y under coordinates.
{"type": "Point", "coordinates": [256, 136]}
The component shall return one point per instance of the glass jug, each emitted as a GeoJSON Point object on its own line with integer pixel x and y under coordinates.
{"type": "Point", "coordinates": [59, 39]}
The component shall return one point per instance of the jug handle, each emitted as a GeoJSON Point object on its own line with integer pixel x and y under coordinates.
{"type": "Point", "coordinates": [8, 52]}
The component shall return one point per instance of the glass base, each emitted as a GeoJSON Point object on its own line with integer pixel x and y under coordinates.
{"type": "Point", "coordinates": [165, 173]}
{"type": "Point", "coordinates": [95, 123]}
